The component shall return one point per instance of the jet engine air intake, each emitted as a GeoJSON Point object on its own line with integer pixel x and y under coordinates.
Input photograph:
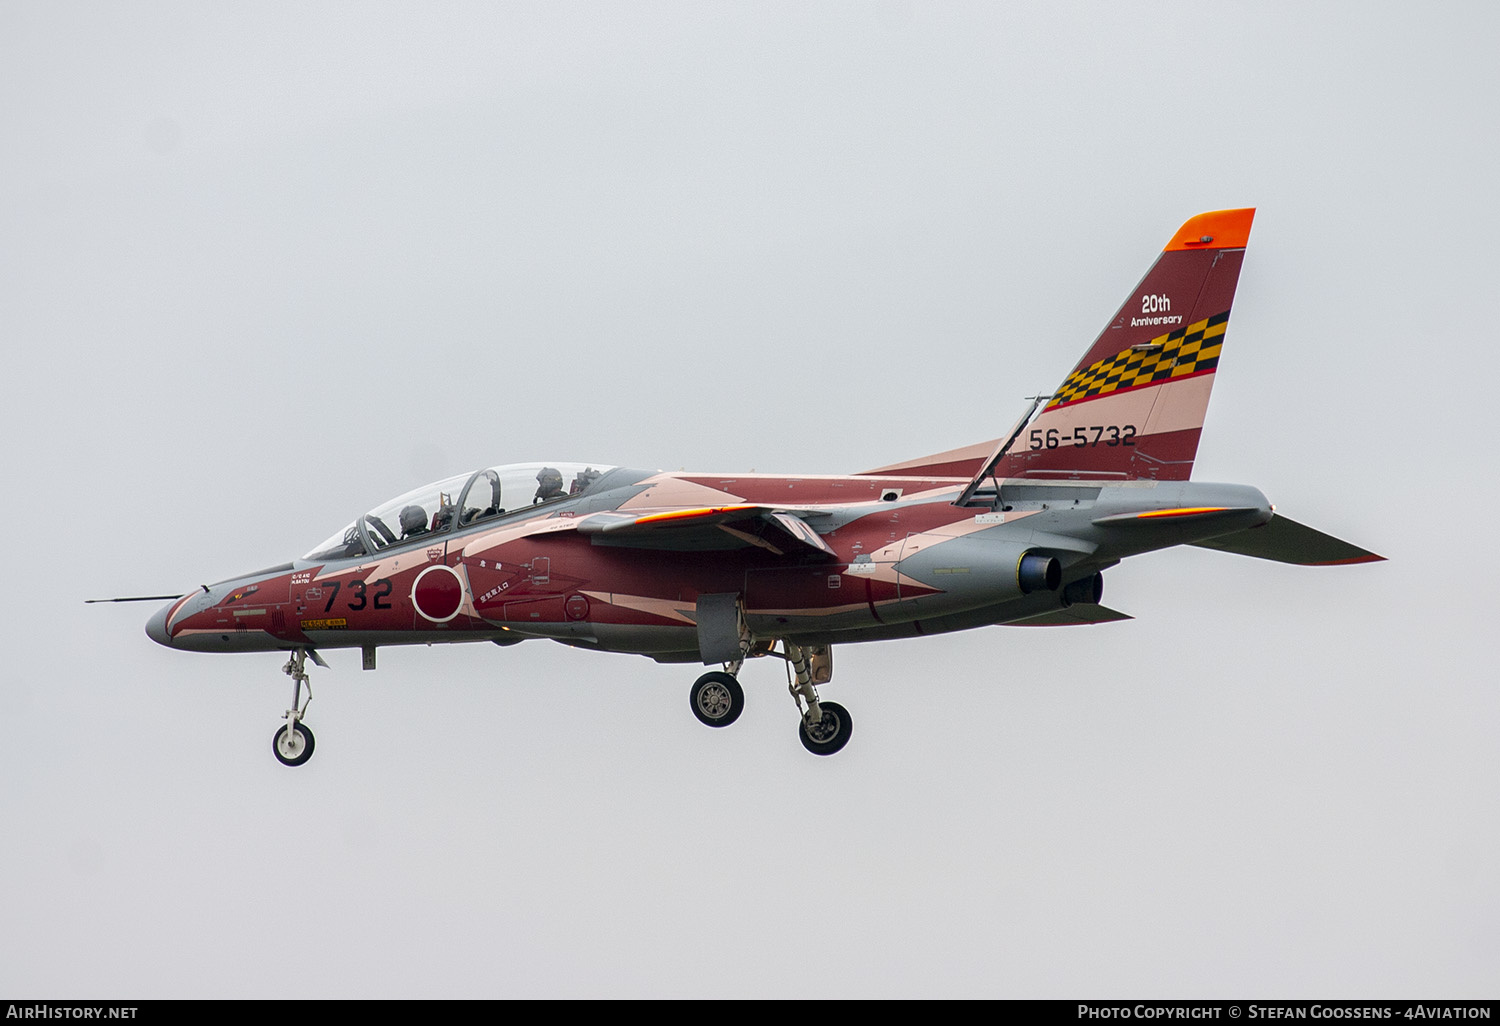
{"type": "Point", "coordinates": [1035, 572]}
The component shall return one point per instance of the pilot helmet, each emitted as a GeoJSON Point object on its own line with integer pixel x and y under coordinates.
{"type": "Point", "coordinates": [549, 483]}
{"type": "Point", "coordinates": [413, 519]}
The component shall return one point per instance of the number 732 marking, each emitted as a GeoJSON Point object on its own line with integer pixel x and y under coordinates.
{"type": "Point", "coordinates": [1083, 437]}
{"type": "Point", "coordinates": [357, 600]}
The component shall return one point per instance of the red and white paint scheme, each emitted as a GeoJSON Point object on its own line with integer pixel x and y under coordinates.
{"type": "Point", "coordinates": [723, 568]}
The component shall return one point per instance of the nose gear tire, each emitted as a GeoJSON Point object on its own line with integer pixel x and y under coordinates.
{"type": "Point", "coordinates": [294, 748]}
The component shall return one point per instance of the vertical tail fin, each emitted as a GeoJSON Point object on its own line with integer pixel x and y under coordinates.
{"type": "Point", "coordinates": [1133, 407]}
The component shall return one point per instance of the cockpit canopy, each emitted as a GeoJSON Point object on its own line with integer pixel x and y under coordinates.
{"type": "Point", "coordinates": [434, 510]}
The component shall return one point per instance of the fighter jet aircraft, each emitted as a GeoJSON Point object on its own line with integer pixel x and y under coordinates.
{"type": "Point", "coordinates": [721, 568]}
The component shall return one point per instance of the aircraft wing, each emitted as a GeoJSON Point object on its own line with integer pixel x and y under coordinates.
{"type": "Point", "coordinates": [1286, 541]}
{"type": "Point", "coordinates": [1073, 616]}
{"type": "Point", "coordinates": [708, 528]}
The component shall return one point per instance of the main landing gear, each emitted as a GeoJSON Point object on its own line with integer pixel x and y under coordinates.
{"type": "Point", "coordinates": [293, 743]}
{"type": "Point", "coordinates": [826, 726]}
{"type": "Point", "coordinates": [717, 698]}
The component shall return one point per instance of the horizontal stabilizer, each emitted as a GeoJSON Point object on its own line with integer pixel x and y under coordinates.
{"type": "Point", "coordinates": [1286, 541]}
{"type": "Point", "coordinates": [1073, 616]}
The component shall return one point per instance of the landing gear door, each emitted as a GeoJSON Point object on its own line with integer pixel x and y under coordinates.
{"type": "Point", "coordinates": [719, 628]}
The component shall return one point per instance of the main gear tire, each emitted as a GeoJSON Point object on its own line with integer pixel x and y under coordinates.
{"type": "Point", "coordinates": [717, 699]}
{"type": "Point", "coordinates": [831, 733]}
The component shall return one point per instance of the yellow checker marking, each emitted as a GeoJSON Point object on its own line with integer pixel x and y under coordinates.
{"type": "Point", "coordinates": [1184, 351]}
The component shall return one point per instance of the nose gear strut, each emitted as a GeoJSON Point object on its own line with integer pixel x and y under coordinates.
{"type": "Point", "coordinates": [293, 743]}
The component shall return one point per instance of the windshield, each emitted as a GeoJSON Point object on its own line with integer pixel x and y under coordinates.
{"type": "Point", "coordinates": [459, 501]}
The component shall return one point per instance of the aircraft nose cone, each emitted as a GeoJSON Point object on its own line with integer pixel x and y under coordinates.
{"type": "Point", "coordinates": [156, 627]}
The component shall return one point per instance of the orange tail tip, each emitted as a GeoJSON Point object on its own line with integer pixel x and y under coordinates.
{"type": "Point", "coordinates": [1217, 229]}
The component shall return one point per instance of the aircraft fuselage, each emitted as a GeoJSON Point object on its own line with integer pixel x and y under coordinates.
{"type": "Point", "coordinates": [897, 558]}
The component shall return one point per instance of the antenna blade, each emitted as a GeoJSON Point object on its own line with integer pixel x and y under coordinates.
{"type": "Point", "coordinates": [1000, 451]}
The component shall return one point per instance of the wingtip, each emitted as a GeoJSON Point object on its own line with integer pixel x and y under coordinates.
{"type": "Point", "coordinates": [1216, 229]}
{"type": "Point", "coordinates": [1368, 557]}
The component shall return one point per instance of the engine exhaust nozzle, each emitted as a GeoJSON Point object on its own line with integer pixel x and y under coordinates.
{"type": "Point", "coordinates": [1038, 573]}
{"type": "Point", "coordinates": [1089, 590]}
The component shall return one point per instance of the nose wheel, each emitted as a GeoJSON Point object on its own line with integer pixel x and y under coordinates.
{"type": "Point", "coordinates": [293, 744]}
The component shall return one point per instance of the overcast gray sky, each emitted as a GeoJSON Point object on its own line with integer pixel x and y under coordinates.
{"type": "Point", "coordinates": [263, 266]}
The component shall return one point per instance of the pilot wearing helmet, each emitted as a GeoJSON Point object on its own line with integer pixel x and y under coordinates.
{"type": "Point", "coordinates": [413, 521]}
{"type": "Point", "coordinates": [549, 485]}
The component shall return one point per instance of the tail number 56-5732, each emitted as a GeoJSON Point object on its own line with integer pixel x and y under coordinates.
{"type": "Point", "coordinates": [1083, 437]}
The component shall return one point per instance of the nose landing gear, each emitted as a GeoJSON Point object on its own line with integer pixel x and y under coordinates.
{"type": "Point", "coordinates": [293, 743]}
